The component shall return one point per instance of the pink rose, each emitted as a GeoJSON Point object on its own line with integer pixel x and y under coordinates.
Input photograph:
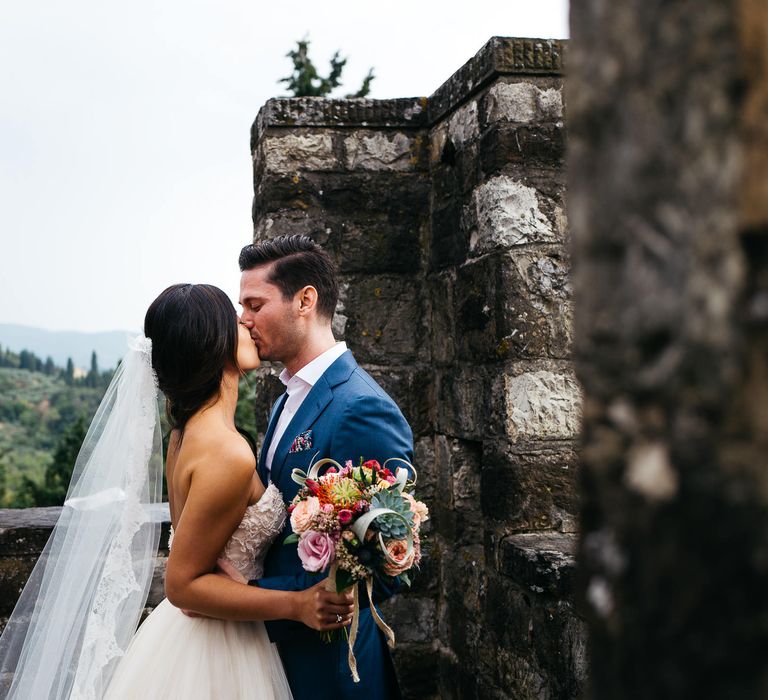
{"type": "Point", "coordinates": [398, 550]}
{"type": "Point", "coordinates": [303, 513]}
{"type": "Point", "coordinates": [345, 516]}
{"type": "Point", "coordinates": [316, 550]}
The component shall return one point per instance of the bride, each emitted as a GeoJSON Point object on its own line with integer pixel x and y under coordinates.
{"type": "Point", "coordinates": [71, 634]}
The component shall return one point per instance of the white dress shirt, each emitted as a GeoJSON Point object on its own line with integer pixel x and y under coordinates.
{"type": "Point", "coordinates": [297, 387]}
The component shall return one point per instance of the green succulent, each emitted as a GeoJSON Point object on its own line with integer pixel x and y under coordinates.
{"type": "Point", "coordinates": [390, 525]}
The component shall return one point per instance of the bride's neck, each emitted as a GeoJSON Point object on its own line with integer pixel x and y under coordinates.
{"type": "Point", "coordinates": [223, 407]}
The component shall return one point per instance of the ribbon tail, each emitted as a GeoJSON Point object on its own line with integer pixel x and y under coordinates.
{"type": "Point", "coordinates": [383, 626]}
{"type": "Point", "coordinates": [353, 637]}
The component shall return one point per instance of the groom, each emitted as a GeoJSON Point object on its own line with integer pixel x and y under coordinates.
{"type": "Point", "coordinates": [331, 408]}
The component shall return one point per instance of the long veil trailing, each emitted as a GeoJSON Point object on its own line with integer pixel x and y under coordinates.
{"type": "Point", "coordinates": [84, 598]}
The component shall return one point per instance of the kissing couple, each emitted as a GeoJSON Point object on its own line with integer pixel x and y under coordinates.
{"type": "Point", "coordinates": [242, 618]}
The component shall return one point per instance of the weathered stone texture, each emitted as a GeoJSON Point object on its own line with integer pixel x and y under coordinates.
{"type": "Point", "coordinates": [670, 265]}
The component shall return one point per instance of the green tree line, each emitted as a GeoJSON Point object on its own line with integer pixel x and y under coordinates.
{"type": "Point", "coordinates": [43, 420]}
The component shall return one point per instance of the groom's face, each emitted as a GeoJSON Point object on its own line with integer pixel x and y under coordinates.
{"type": "Point", "coordinates": [270, 319]}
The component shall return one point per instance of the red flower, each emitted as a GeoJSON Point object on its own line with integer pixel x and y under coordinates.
{"type": "Point", "coordinates": [372, 464]}
{"type": "Point", "coordinates": [313, 486]}
{"type": "Point", "coordinates": [345, 516]}
{"type": "Point", "coordinates": [291, 508]}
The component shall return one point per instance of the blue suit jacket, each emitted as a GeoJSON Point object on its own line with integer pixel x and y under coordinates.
{"type": "Point", "coordinates": [349, 416]}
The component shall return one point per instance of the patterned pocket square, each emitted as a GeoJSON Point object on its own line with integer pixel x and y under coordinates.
{"type": "Point", "coordinates": [302, 442]}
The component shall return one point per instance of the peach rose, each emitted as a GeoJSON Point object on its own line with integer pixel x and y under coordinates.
{"type": "Point", "coordinates": [301, 517]}
{"type": "Point", "coordinates": [398, 549]}
{"type": "Point", "coordinates": [419, 509]}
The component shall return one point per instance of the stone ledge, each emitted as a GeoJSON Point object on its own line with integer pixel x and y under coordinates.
{"type": "Point", "coordinates": [26, 530]}
{"type": "Point", "coordinates": [403, 112]}
{"type": "Point", "coordinates": [499, 56]}
{"type": "Point", "coordinates": [543, 562]}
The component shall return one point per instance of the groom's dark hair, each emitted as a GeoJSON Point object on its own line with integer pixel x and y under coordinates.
{"type": "Point", "coordinates": [297, 261]}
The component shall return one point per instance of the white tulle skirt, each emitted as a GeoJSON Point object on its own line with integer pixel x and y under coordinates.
{"type": "Point", "coordinates": [174, 656]}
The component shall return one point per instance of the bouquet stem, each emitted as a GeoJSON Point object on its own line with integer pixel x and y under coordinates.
{"type": "Point", "coordinates": [330, 585]}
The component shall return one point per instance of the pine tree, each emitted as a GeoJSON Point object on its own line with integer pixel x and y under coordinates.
{"type": "Point", "coordinates": [49, 368]}
{"type": "Point", "coordinates": [26, 360]}
{"type": "Point", "coordinates": [69, 372]}
{"type": "Point", "coordinates": [53, 490]}
{"type": "Point", "coordinates": [93, 375]}
{"type": "Point", "coordinates": [305, 81]}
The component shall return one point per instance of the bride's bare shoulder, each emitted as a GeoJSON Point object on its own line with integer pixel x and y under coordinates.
{"type": "Point", "coordinates": [220, 450]}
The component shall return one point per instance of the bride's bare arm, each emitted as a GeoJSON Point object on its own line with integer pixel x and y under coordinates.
{"type": "Point", "coordinates": [217, 498]}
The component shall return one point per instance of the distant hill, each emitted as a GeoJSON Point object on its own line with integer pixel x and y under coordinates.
{"type": "Point", "coordinates": [110, 346]}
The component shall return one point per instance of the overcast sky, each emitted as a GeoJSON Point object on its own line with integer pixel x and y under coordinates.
{"type": "Point", "coordinates": [124, 131]}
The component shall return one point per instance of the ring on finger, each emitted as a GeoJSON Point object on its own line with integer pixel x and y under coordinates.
{"type": "Point", "coordinates": [338, 618]}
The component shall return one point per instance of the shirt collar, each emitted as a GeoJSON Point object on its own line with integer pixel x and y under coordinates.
{"type": "Point", "coordinates": [312, 371]}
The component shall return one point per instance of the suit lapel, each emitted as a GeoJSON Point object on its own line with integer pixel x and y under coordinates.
{"type": "Point", "coordinates": [276, 411]}
{"type": "Point", "coordinates": [311, 408]}
{"type": "Point", "coordinates": [318, 398]}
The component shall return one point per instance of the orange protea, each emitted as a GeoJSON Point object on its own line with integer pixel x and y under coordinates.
{"type": "Point", "coordinates": [340, 492]}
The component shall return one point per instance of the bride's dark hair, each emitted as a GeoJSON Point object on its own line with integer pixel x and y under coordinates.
{"type": "Point", "coordinates": [193, 329]}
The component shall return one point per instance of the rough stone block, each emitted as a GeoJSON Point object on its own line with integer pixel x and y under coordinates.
{"type": "Point", "coordinates": [521, 149]}
{"type": "Point", "coordinates": [541, 562]}
{"type": "Point", "coordinates": [442, 324]}
{"type": "Point", "coordinates": [417, 671]}
{"type": "Point", "coordinates": [535, 490]}
{"type": "Point", "coordinates": [450, 242]}
{"type": "Point", "coordinates": [542, 405]}
{"type": "Point", "coordinates": [462, 126]}
{"type": "Point", "coordinates": [412, 618]}
{"type": "Point", "coordinates": [14, 572]}
{"type": "Point", "coordinates": [513, 306]}
{"type": "Point", "coordinates": [381, 151]}
{"type": "Point", "coordinates": [541, 639]}
{"type": "Point", "coordinates": [384, 319]}
{"type": "Point", "coordinates": [506, 213]}
{"type": "Point", "coordinates": [428, 471]}
{"type": "Point", "coordinates": [296, 151]}
{"type": "Point", "coordinates": [377, 245]}
{"type": "Point", "coordinates": [521, 102]}
{"type": "Point", "coordinates": [456, 512]}
{"type": "Point", "coordinates": [464, 402]}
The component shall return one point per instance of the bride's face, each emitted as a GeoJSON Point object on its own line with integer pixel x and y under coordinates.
{"type": "Point", "coordinates": [247, 354]}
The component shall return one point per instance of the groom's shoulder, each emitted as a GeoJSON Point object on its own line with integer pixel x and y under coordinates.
{"type": "Point", "coordinates": [360, 384]}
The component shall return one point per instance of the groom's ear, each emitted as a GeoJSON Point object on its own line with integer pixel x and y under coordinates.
{"type": "Point", "coordinates": [307, 298]}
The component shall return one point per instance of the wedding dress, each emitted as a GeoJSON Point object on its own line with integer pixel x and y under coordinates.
{"type": "Point", "coordinates": [173, 656]}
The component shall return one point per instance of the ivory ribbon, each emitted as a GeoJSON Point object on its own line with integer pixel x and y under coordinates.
{"type": "Point", "coordinates": [383, 626]}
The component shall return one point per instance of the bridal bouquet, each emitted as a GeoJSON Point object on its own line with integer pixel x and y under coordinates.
{"type": "Point", "coordinates": [363, 521]}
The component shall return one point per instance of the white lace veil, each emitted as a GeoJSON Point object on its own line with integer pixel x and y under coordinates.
{"type": "Point", "coordinates": [83, 601]}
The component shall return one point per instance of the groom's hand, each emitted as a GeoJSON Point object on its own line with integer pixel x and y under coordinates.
{"type": "Point", "coordinates": [324, 610]}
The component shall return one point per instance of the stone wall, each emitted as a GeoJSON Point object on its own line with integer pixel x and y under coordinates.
{"type": "Point", "coordinates": [668, 173]}
{"type": "Point", "coordinates": [446, 218]}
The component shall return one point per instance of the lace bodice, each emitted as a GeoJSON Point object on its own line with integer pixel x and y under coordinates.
{"type": "Point", "coordinates": [261, 524]}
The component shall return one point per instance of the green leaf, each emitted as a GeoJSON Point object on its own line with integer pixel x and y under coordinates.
{"type": "Point", "coordinates": [344, 580]}
{"type": "Point", "coordinates": [293, 538]}
{"type": "Point", "coordinates": [405, 579]}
